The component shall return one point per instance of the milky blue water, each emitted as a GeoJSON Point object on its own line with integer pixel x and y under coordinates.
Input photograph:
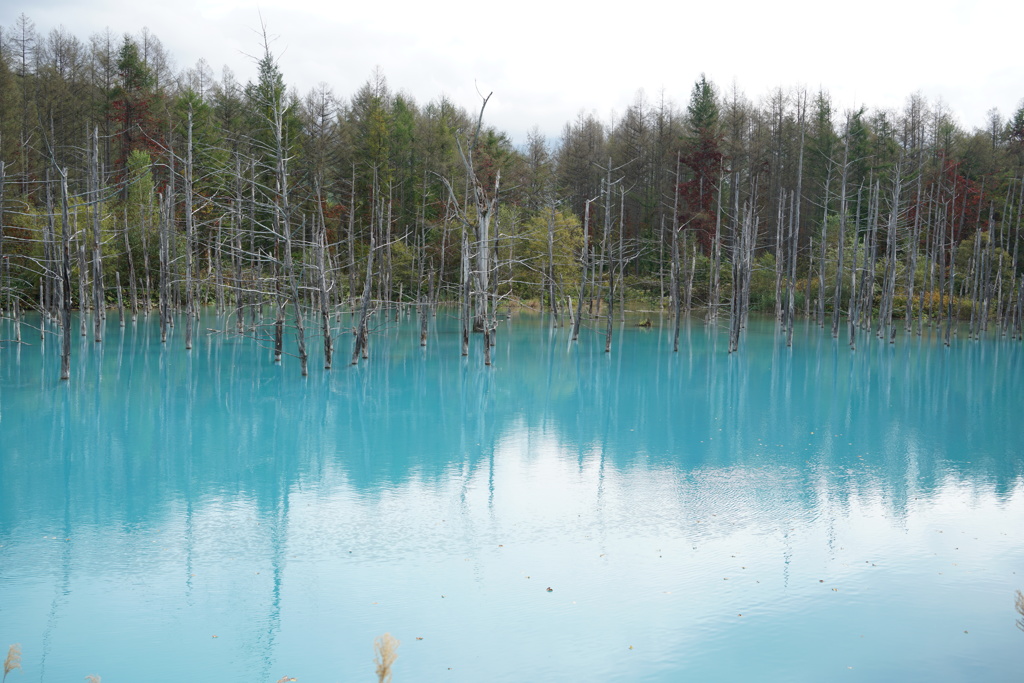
{"type": "Point", "coordinates": [780, 514]}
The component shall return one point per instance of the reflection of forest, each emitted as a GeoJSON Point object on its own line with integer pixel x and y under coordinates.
{"type": "Point", "coordinates": [155, 428]}
{"type": "Point", "coordinates": [214, 487]}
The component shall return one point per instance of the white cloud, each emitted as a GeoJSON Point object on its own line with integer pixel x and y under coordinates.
{"type": "Point", "coordinates": [546, 61]}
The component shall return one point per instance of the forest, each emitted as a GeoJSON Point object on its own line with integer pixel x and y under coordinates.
{"type": "Point", "coordinates": [128, 187]}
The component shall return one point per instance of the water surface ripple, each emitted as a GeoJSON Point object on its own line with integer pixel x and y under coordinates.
{"type": "Point", "coordinates": [779, 514]}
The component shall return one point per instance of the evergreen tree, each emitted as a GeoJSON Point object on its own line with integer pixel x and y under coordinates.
{"type": "Point", "coordinates": [703, 157]}
{"type": "Point", "coordinates": [132, 105]}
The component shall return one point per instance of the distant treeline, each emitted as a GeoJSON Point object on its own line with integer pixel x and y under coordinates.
{"type": "Point", "coordinates": [122, 180]}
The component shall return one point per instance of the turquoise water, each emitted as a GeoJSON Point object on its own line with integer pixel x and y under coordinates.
{"type": "Point", "coordinates": [803, 514]}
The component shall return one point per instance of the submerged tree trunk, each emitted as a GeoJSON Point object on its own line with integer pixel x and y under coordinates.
{"type": "Point", "coordinates": [424, 313]}
{"type": "Point", "coordinates": [780, 256]}
{"type": "Point", "coordinates": [217, 253]}
{"type": "Point", "coordinates": [282, 213]}
{"type": "Point", "coordinates": [165, 274]}
{"type": "Point", "coordinates": [606, 260]}
{"type": "Point", "coordinates": [716, 249]}
{"type": "Point", "coordinates": [236, 253]}
{"type": "Point", "coordinates": [120, 302]}
{"type": "Point", "coordinates": [552, 286]}
{"type": "Point", "coordinates": [913, 248]}
{"type": "Point", "coordinates": [279, 307]}
{"type": "Point", "coordinates": [674, 278]}
{"type": "Point", "coordinates": [852, 312]}
{"type": "Point", "coordinates": [189, 239]}
{"type": "Point", "coordinates": [99, 307]}
{"type": "Point", "coordinates": [837, 296]}
{"type": "Point", "coordinates": [466, 305]}
{"type": "Point", "coordinates": [144, 226]}
{"type": "Point", "coordinates": [2, 255]}
{"type": "Point", "coordinates": [889, 285]}
{"type": "Point", "coordinates": [796, 231]}
{"type": "Point", "coordinates": [65, 277]}
{"type": "Point", "coordinates": [132, 278]}
{"type": "Point", "coordinates": [824, 250]}
{"type": "Point", "coordinates": [325, 313]}
{"type": "Point", "coordinates": [352, 240]}
{"type": "Point", "coordinates": [674, 284]}
{"type": "Point", "coordinates": [51, 280]}
{"type": "Point", "coordinates": [359, 346]}
{"type": "Point", "coordinates": [794, 238]}
{"type": "Point", "coordinates": [83, 268]}
{"type": "Point", "coordinates": [49, 283]}
{"type": "Point", "coordinates": [744, 244]}
{"type": "Point", "coordinates": [585, 267]}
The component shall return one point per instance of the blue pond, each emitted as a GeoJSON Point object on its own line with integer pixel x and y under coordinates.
{"type": "Point", "coordinates": [779, 514]}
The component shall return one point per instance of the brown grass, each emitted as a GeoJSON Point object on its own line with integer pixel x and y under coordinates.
{"type": "Point", "coordinates": [13, 660]}
{"type": "Point", "coordinates": [386, 647]}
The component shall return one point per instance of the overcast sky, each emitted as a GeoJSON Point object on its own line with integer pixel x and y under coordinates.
{"type": "Point", "coordinates": [546, 61]}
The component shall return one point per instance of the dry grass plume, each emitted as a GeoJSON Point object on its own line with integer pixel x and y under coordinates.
{"type": "Point", "coordinates": [13, 660]}
{"type": "Point", "coordinates": [386, 647]}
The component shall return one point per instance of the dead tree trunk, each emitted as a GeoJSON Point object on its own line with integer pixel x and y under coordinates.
{"type": "Point", "coordinates": [325, 313]}
{"type": "Point", "coordinates": [987, 285]}
{"type": "Point", "coordinates": [50, 282]}
{"type": "Point", "coordinates": [52, 277]}
{"type": "Point", "coordinates": [889, 287]}
{"type": "Point", "coordinates": [552, 293]}
{"type": "Point", "coordinates": [867, 283]}
{"type": "Point", "coordinates": [607, 268]}
{"type": "Point", "coordinates": [120, 302]}
{"type": "Point", "coordinates": [780, 256]}
{"type": "Point", "coordinates": [352, 240]}
{"type": "Point", "coordinates": [716, 253]}
{"type": "Point", "coordinates": [279, 307]}
{"type": "Point", "coordinates": [359, 346]}
{"type": "Point", "coordinates": [217, 253]}
{"type": "Point", "coordinates": [674, 284]}
{"type": "Point", "coordinates": [236, 252]}
{"type": "Point", "coordinates": [165, 268]}
{"type": "Point", "coordinates": [65, 277]}
{"type": "Point", "coordinates": [852, 309]}
{"type": "Point", "coordinates": [132, 286]}
{"type": "Point", "coordinates": [83, 268]}
{"type": "Point", "coordinates": [743, 257]}
{"type": "Point", "coordinates": [794, 237]}
{"type": "Point", "coordinates": [796, 229]}
{"type": "Point", "coordinates": [837, 296]}
{"type": "Point", "coordinates": [99, 307]}
{"type": "Point", "coordinates": [425, 312]}
{"type": "Point", "coordinates": [485, 203]}
{"type": "Point", "coordinates": [466, 306]}
{"type": "Point", "coordinates": [2, 255]}
{"type": "Point", "coordinates": [915, 237]}
{"type": "Point", "coordinates": [674, 273]}
{"type": "Point", "coordinates": [189, 238]}
{"type": "Point", "coordinates": [586, 266]}
{"type": "Point", "coordinates": [144, 224]}
{"type": "Point", "coordinates": [283, 214]}
{"type": "Point", "coordinates": [824, 249]}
